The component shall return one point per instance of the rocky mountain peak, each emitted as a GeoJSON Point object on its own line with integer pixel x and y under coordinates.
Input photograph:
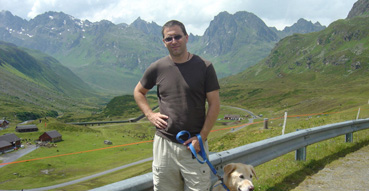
{"type": "Point", "coordinates": [56, 20]}
{"type": "Point", "coordinates": [360, 8]}
{"type": "Point", "coordinates": [146, 27]}
{"type": "Point", "coordinates": [303, 26]}
{"type": "Point", "coordinates": [7, 19]}
{"type": "Point", "coordinates": [227, 32]}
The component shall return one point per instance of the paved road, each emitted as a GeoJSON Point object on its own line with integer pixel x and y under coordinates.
{"type": "Point", "coordinates": [251, 120]}
{"type": "Point", "coordinates": [245, 110]}
{"type": "Point", "coordinates": [13, 156]}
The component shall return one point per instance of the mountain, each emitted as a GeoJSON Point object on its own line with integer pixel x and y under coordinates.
{"type": "Point", "coordinates": [236, 42]}
{"type": "Point", "coordinates": [111, 58]}
{"type": "Point", "coordinates": [317, 72]}
{"type": "Point", "coordinates": [228, 32]}
{"type": "Point", "coordinates": [33, 80]}
{"type": "Point", "coordinates": [108, 57]}
{"type": "Point", "coordinates": [360, 8]}
{"type": "Point", "coordinates": [302, 26]}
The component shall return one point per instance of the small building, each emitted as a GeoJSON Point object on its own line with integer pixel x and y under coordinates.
{"type": "Point", "coordinates": [9, 142]}
{"type": "Point", "coordinates": [4, 124]}
{"type": "Point", "coordinates": [26, 128]}
{"type": "Point", "coordinates": [232, 117]}
{"type": "Point", "coordinates": [5, 146]}
{"type": "Point", "coordinates": [50, 136]}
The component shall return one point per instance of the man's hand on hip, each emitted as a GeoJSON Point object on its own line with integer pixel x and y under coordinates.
{"type": "Point", "coordinates": [158, 119]}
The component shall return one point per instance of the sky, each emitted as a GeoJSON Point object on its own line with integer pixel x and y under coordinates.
{"type": "Point", "coordinates": [195, 14]}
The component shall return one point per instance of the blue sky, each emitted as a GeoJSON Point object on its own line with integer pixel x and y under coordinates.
{"type": "Point", "coordinates": [195, 14]}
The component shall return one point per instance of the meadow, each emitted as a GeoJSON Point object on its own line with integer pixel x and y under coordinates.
{"type": "Point", "coordinates": [83, 152]}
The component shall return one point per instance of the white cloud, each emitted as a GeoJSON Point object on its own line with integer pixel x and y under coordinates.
{"type": "Point", "coordinates": [195, 14]}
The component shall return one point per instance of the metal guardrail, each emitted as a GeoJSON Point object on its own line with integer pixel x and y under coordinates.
{"type": "Point", "coordinates": [255, 153]}
{"type": "Point", "coordinates": [107, 122]}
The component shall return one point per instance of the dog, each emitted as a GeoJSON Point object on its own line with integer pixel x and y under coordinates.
{"type": "Point", "coordinates": [237, 177]}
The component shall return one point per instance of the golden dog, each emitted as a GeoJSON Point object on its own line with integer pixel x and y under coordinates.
{"type": "Point", "coordinates": [237, 177]}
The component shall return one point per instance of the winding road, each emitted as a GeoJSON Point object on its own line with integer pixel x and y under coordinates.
{"type": "Point", "coordinates": [10, 157]}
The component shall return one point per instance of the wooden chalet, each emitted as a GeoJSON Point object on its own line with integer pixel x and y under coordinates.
{"type": "Point", "coordinates": [26, 128]}
{"type": "Point", "coordinates": [50, 136]}
{"type": "Point", "coordinates": [5, 146]}
{"type": "Point", "coordinates": [9, 142]}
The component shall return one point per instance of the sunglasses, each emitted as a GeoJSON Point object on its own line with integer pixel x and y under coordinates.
{"type": "Point", "coordinates": [170, 39]}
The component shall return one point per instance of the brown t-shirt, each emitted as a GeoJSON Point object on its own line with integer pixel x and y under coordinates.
{"type": "Point", "coordinates": [182, 92]}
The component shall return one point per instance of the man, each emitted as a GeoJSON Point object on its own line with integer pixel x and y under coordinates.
{"type": "Point", "coordinates": [184, 82]}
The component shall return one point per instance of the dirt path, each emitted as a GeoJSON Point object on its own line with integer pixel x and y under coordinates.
{"type": "Point", "coordinates": [348, 173]}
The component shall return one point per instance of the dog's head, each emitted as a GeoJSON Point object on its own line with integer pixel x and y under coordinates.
{"type": "Point", "coordinates": [238, 176]}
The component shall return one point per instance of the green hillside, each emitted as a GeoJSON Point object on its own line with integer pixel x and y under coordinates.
{"type": "Point", "coordinates": [110, 58]}
{"type": "Point", "coordinates": [320, 71]}
{"type": "Point", "coordinates": [33, 82]}
{"type": "Point", "coordinates": [125, 106]}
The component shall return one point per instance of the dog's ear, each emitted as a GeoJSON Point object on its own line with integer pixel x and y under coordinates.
{"type": "Point", "coordinates": [253, 171]}
{"type": "Point", "coordinates": [229, 168]}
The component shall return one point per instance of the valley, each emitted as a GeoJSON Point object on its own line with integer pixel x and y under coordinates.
{"type": "Point", "coordinates": [85, 72]}
{"type": "Point", "coordinates": [83, 152]}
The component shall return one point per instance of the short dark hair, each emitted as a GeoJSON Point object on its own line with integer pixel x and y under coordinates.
{"type": "Point", "coordinates": [172, 23]}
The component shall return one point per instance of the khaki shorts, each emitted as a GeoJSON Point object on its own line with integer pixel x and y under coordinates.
{"type": "Point", "coordinates": [174, 168]}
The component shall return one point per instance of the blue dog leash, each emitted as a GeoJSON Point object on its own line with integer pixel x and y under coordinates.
{"type": "Point", "coordinates": [202, 153]}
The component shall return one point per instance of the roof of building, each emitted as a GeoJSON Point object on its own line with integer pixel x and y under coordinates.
{"type": "Point", "coordinates": [4, 144]}
{"type": "Point", "coordinates": [26, 127]}
{"type": "Point", "coordinates": [10, 137]}
{"type": "Point", "coordinates": [53, 134]}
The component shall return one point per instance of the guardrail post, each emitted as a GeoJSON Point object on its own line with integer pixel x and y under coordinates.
{"type": "Point", "coordinates": [300, 153]}
{"type": "Point", "coordinates": [349, 137]}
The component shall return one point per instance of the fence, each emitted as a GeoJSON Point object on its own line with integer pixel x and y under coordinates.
{"type": "Point", "coordinates": [257, 153]}
{"type": "Point", "coordinates": [107, 122]}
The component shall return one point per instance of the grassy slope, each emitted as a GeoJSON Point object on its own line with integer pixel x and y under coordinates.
{"type": "Point", "coordinates": [77, 165]}
{"type": "Point", "coordinates": [301, 75]}
{"type": "Point", "coordinates": [34, 82]}
{"type": "Point", "coordinates": [81, 139]}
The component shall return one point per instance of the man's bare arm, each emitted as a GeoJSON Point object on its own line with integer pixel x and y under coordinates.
{"type": "Point", "coordinates": [156, 119]}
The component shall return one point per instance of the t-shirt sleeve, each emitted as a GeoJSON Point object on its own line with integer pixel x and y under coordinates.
{"type": "Point", "coordinates": [148, 80]}
{"type": "Point", "coordinates": [211, 79]}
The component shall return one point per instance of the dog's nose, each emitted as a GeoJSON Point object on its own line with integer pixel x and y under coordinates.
{"type": "Point", "coordinates": [251, 188]}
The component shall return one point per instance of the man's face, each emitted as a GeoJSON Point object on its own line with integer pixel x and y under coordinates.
{"type": "Point", "coordinates": [175, 41]}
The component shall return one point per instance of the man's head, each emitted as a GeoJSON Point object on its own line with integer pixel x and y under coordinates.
{"type": "Point", "coordinates": [175, 39]}
{"type": "Point", "coordinates": [174, 23]}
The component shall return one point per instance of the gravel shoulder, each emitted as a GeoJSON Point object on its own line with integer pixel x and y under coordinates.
{"type": "Point", "coordinates": [348, 173]}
